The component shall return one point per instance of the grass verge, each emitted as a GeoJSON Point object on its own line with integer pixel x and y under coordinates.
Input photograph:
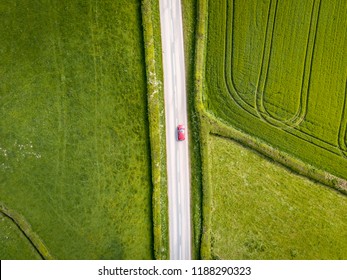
{"type": "Point", "coordinates": [156, 113]}
{"type": "Point", "coordinates": [189, 11]}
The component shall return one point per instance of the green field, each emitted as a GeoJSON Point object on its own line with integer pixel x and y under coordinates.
{"type": "Point", "coordinates": [74, 140]}
{"type": "Point", "coordinates": [277, 70]}
{"type": "Point", "coordinates": [82, 149]}
{"type": "Point", "coordinates": [270, 82]}
{"type": "Point", "coordinates": [271, 212]}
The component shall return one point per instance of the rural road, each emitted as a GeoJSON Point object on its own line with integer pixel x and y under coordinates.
{"type": "Point", "coordinates": [176, 113]}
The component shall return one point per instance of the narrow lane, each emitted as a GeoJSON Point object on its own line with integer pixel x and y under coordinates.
{"type": "Point", "coordinates": [176, 113]}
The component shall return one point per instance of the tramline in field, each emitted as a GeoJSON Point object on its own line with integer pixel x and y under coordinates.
{"type": "Point", "coordinates": [281, 75]}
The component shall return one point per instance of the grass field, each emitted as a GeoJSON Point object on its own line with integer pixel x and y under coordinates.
{"type": "Point", "coordinates": [74, 148]}
{"type": "Point", "coordinates": [156, 115]}
{"type": "Point", "coordinates": [277, 70]}
{"type": "Point", "coordinates": [271, 212]}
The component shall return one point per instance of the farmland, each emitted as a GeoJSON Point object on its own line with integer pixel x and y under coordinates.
{"type": "Point", "coordinates": [74, 141]}
{"type": "Point", "coordinates": [280, 75]}
{"type": "Point", "coordinates": [271, 95]}
{"type": "Point", "coordinates": [272, 213]}
{"type": "Point", "coordinates": [189, 22]}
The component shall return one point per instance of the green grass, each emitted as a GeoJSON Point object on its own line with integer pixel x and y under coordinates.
{"type": "Point", "coordinates": [156, 115]}
{"type": "Point", "coordinates": [14, 244]}
{"type": "Point", "coordinates": [259, 210]}
{"type": "Point", "coordinates": [74, 145]}
{"type": "Point", "coordinates": [279, 75]}
{"type": "Point", "coordinates": [189, 13]}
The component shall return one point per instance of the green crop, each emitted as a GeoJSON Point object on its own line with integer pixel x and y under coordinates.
{"type": "Point", "coordinates": [277, 70]}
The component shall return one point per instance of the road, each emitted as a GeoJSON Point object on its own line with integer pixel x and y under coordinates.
{"type": "Point", "coordinates": [176, 113]}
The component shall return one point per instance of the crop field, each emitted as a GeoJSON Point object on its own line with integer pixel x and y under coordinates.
{"type": "Point", "coordinates": [270, 81]}
{"type": "Point", "coordinates": [75, 176]}
{"type": "Point", "coordinates": [259, 210]}
{"type": "Point", "coordinates": [14, 244]}
{"type": "Point", "coordinates": [277, 71]}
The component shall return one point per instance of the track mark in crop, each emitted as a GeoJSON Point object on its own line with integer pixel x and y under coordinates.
{"type": "Point", "coordinates": [27, 231]}
{"type": "Point", "coordinates": [342, 136]}
{"type": "Point", "coordinates": [265, 60]}
{"type": "Point", "coordinates": [94, 28]}
{"type": "Point", "coordinates": [300, 114]}
{"type": "Point", "coordinates": [228, 61]}
{"type": "Point", "coordinates": [258, 108]}
{"type": "Point", "coordinates": [58, 54]}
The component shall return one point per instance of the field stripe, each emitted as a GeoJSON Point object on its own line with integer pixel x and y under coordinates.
{"type": "Point", "coordinates": [300, 114]}
{"type": "Point", "coordinates": [229, 39]}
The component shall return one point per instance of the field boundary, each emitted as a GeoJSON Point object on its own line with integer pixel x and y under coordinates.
{"type": "Point", "coordinates": [27, 231]}
{"type": "Point", "coordinates": [156, 118]}
{"type": "Point", "coordinates": [286, 160]}
{"type": "Point", "coordinates": [199, 76]}
{"type": "Point", "coordinates": [189, 10]}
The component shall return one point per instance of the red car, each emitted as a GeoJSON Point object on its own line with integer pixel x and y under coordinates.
{"type": "Point", "coordinates": [181, 132]}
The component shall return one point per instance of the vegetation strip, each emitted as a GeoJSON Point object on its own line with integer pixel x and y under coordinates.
{"type": "Point", "coordinates": [189, 9]}
{"type": "Point", "coordinates": [28, 232]}
{"type": "Point", "coordinates": [199, 76]}
{"type": "Point", "coordinates": [156, 116]}
{"type": "Point", "coordinates": [288, 161]}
